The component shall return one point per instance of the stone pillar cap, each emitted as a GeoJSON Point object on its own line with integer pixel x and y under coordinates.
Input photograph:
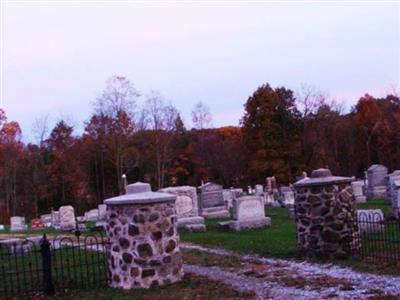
{"type": "Point", "coordinates": [322, 177]}
{"type": "Point", "coordinates": [140, 193]}
{"type": "Point", "coordinates": [138, 187]}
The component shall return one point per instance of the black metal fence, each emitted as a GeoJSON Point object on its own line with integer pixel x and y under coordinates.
{"type": "Point", "coordinates": [46, 266]}
{"type": "Point", "coordinates": [378, 239]}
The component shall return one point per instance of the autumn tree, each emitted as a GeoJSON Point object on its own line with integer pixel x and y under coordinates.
{"type": "Point", "coordinates": [68, 181]}
{"type": "Point", "coordinates": [271, 133]}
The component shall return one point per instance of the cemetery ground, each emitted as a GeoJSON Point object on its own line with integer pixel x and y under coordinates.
{"type": "Point", "coordinates": [259, 264]}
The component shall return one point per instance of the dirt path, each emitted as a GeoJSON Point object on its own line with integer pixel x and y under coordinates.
{"type": "Point", "coordinates": [273, 278]}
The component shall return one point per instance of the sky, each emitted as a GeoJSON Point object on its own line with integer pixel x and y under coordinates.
{"type": "Point", "coordinates": [57, 56]}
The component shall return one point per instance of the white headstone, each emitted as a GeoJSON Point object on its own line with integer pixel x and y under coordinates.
{"type": "Point", "coordinates": [17, 224]}
{"type": "Point", "coordinates": [186, 205]}
{"type": "Point", "coordinates": [259, 190]}
{"type": "Point", "coordinates": [67, 218]}
{"type": "Point", "coordinates": [249, 213]}
{"type": "Point", "coordinates": [55, 219]}
{"type": "Point", "coordinates": [376, 181]}
{"type": "Point", "coordinates": [92, 215]}
{"type": "Point", "coordinates": [358, 191]}
{"type": "Point", "coordinates": [287, 195]}
{"type": "Point", "coordinates": [102, 211]}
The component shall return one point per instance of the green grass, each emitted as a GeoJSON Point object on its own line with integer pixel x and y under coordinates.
{"type": "Point", "coordinates": [279, 240]}
{"type": "Point", "coordinates": [375, 204]}
{"type": "Point", "coordinates": [71, 267]}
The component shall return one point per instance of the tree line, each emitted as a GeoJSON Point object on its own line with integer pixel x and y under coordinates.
{"type": "Point", "coordinates": [281, 133]}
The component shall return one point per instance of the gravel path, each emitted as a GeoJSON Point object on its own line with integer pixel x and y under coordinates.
{"type": "Point", "coordinates": [273, 278]}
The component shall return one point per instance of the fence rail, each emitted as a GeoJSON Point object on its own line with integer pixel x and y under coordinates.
{"type": "Point", "coordinates": [46, 266]}
{"type": "Point", "coordinates": [378, 239]}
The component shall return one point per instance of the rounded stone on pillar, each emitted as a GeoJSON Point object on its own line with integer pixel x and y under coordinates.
{"type": "Point", "coordinates": [325, 215]}
{"type": "Point", "coordinates": [144, 242]}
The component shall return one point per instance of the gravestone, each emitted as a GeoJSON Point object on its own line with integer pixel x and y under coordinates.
{"type": "Point", "coordinates": [395, 186]}
{"type": "Point", "coordinates": [212, 203]}
{"type": "Point", "coordinates": [391, 194]}
{"type": "Point", "coordinates": [37, 224]}
{"type": "Point", "coordinates": [102, 211]}
{"type": "Point", "coordinates": [67, 218]}
{"type": "Point", "coordinates": [249, 213]}
{"type": "Point", "coordinates": [17, 224]}
{"type": "Point", "coordinates": [358, 193]}
{"type": "Point", "coordinates": [370, 220]}
{"type": "Point", "coordinates": [92, 215]}
{"type": "Point", "coordinates": [376, 181]}
{"type": "Point", "coordinates": [287, 195]}
{"type": "Point", "coordinates": [187, 207]}
{"type": "Point", "coordinates": [46, 219]}
{"type": "Point", "coordinates": [230, 194]}
{"type": "Point", "coordinates": [259, 190]}
{"type": "Point", "coordinates": [55, 219]}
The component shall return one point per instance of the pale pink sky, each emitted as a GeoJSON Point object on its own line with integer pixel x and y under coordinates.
{"type": "Point", "coordinates": [57, 57]}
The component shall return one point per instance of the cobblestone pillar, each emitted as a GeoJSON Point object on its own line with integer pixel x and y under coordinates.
{"type": "Point", "coordinates": [325, 216]}
{"type": "Point", "coordinates": [144, 251]}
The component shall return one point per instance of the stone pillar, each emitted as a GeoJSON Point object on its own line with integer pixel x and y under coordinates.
{"type": "Point", "coordinates": [141, 227]}
{"type": "Point", "coordinates": [325, 215]}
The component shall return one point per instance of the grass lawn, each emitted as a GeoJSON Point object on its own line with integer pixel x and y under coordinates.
{"type": "Point", "coordinates": [192, 287]}
{"type": "Point", "coordinates": [279, 240]}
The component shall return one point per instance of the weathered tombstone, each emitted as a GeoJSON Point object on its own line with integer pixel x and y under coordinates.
{"type": "Point", "coordinates": [391, 194]}
{"type": "Point", "coordinates": [55, 219]}
{"type": "Point", "coordinates": [358, 193]}
{"type": "Point", "coordinates": [287, 195]}
{"type": "Point", "coordinates": [102, 208]}
{"type": "Point", "coordinates": [212, 203]}
{"type": "Point", "coordinates": [249, 213]}
{"type": "Point", "coordinates": [187, 207]}
{"type": "Point", "coordinates": [92, 215]}
{"type": "Point", "coordinates": [325, 215]}
{"type": "Point", "coordinates": [143, 236]}
{"type": "Point", "coordinates": [17, 224]}
{"type": "Point", "coordinates": [67, 218]}
{"type": "Point", "coordinates": [395, 212]}
{"type": "Point", "coordinates": [370, 220]}
{"type": "Point", "coordinates": [376, 181]}
{"type": "Point", "coordinates": [37, 224]}
{"type": "Point", "coordinates": [259, 190]}
{"type": "Point", "coordinates": [46, 219]}
{"type": "Point", "coordinates": [228, 197]}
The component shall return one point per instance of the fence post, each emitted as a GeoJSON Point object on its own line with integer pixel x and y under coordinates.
{"type": "Point", "coordinates": [48, 285]}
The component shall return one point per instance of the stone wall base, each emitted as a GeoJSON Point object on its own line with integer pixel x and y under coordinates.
{"type": "Point", "coordinates": [361, 199]}
{"type": "Point", "coordinates": [246, 225]}
{"type": "Point", "coordinates": [215, 212]}
{"type": "Point", "coordinates": [182, 222]}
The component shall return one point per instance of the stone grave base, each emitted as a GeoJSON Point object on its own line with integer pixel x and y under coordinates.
{"type": "Point", "coordinates": [361, 199]}
{"type": "Point", "coordinates": [244, 225]}
{"type": "Point", "coordinates": [18, 228]}
{"type": "Point", "coordinates": [376, 192]}
{"type": "Point", "coordinates": [182, 222]}
{"type": "Point", "coordinates": [196, 227]}
{"type": "Point", "coordinates": [215, 212]}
